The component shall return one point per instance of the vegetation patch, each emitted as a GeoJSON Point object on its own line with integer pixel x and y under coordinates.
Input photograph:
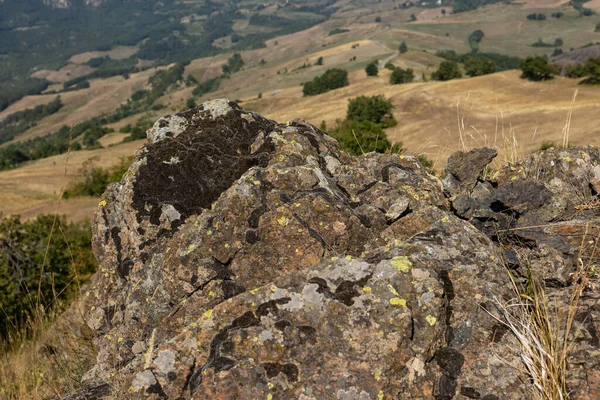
{"type": "Point", "coordinates": [332, 79]}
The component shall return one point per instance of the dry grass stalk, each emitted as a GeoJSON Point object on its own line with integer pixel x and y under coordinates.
{"type": "Point", "coordinates": [543, 330]}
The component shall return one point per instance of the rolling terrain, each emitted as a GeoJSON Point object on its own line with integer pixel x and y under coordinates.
{"type": "Point", "coordinates": [434, 118]}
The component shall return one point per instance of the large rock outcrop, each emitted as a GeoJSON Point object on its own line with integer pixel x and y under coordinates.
{"type": "Point", "coordinates": [246, 259]}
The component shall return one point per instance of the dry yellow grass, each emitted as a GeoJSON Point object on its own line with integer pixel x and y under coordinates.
{"type": "Point", "coordinates": [118, 53]}
{"type": "Point", "coordinates": [67, 72]}
{"type": "Point", "coordinates": [102, 97]}
{"type": "Point", "coordinates": [490, 110]}
{"type": "Point", "coordinates": [33, 188]}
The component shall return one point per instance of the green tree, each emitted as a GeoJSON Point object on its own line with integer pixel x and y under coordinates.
{"type": "Point", "coordinates": [400, 75]}
{"type": "Point", "coordinates": [376, 109]}
{"type": "Point", "coordinates": [413, 17]}
{"type": "Point", "coordinates": [378, 19]}
{"type": "Point", "coordinates": [190, 103]}
{"type": "Point", "coordinates": [25, 266]}
{"type": "Point", "coordinates": [537, 69]}
{"type": "Point", "coordinates": [479, 66]}
{"type": "Point", "coordinates": [234, 64]}
{"type": "Point", "coordinates": [319, 61]}
{"type": "Point", "coordinates": [447, 70]}
{"type": "Point", "coordinates": [332, 79]}
{"type": "Point", "coordinates": [372, 69]}
{"type": "Point", "coordinates": [403, 48]}
{"type": "Point", "coordinates": [474, 39]}
{"type": "Point", "coordinates": [358, 137]}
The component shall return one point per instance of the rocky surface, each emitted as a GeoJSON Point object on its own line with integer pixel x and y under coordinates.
{"type": "Point", "coordinates": [246, 259]}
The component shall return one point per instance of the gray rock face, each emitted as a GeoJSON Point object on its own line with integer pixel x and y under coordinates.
{"type": "Point", "coordinates": [246, 259]}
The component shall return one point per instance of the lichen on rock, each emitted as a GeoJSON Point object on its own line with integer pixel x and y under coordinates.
{"type": "Point", "coordinates": [243, 258]}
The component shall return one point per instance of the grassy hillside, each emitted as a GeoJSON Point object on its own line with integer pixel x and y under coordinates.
{"type": "Point", "coordinates": [434, 118]}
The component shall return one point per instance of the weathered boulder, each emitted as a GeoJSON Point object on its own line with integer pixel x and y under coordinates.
{"type": "Point", "coordinates": [241, 258]}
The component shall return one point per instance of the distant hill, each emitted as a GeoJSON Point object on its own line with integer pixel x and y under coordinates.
{"type": "Point", "coordinates": [577, 57]}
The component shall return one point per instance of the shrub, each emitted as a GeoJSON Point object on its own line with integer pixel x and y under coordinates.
{"type": "Point", "coordinates": [332, 79]}
{"type": "Point", "coordinates": [25, 267]}
{"type": "Point", "coordinates": [358, 137]}
{"type": "Point", "coordinates": [390, 66]}
{"type": "Point", "coordinates": [378, 19]}
{"type": "Point", "coordinates": [403, 48]}
{"type": "Point", "coordinates": [374, 109]}
{"type": "Point", "coordinates": [319, 61]}
{"type": "Point", "coordinates": [479, 66]}
{"type": "Point", "coordinates": [362, 130]}
{"type": "Point", "coordinates": [209, 85]}
{"type": "Point", "coordinates": [447, 70]}
{"type": "Point", "coordinates": [558, 15]}
{"type": "Point", "coordinates": [475, 38]}
{"type": "Point", "coordinates": [234, 64]}
{"type": "Point", "coordinates": [537, 69]}
{"type": "Point", "coordinates": [400, 75]}
{"type": "Point", "coordinates": [597, 27]}
{"type": "Point", "coordinates": [536, 17]}
{"type": "Point", "coordinates": [372, 69]}
{"type": "Point", "coordinates": [96, 179]}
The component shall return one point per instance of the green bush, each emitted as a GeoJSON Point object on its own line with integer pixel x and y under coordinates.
{"type": "Point", "coordinates": [362, 130]}
{"type": "Point", "coordinates": [537, 69]}
{"type": "Point", "coordinates": [376, 109]}
{"type": "Point", "coordinates": [447, 70]}
{"type": "Point", "coordinates": [372, 69]}
{"type": "Point", "coordinates": [474, 39]}
{"type": "Point", "coordinates": [358, 137]}
{"type": "Point", "coordinates": [234, 64]}
{"type": "Point", "coordinates": [479, 66]}
{"type": "Point", "coordinates": [332, 79]}
{"type": "Point", "coordinates": [96, 179]}
{"type": "Point", "coordinates": [400, 75]}
{"type": "Point", "coordinates": [209, 85]}
{"type": "Point", "coordinates": [69, 262]}
{"type": "Point", "coordinates": [403, 48]}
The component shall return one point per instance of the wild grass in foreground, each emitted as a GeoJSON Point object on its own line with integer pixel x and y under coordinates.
{"type": "Point", "coordinates": [43, 360]}
{"type": "Point", "coordinates": [545, 331]}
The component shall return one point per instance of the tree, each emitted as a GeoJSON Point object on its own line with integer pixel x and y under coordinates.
{"type": "Point", "coordinates": [372, 69]}
{"type": "Point", "coordinates": [378, 19]}
{"type": "Point", "coordinates": [390, 66]}
{"type": "Point", "coordinates": [400, 75]}
{"type": "Point", "coordinates": [537, 69]}
{"type": "Point", "coordinates": [358, 137]}
{"type": "Point", "coordinates": [413, 17]}
{"type": "Point", "coordinates": [319, 61]}
{"type": "Point", "coordinates": [234, 64]}
{"type": "Point", "coordinates": [474, 40]}
{"type": "Point", "coordinates": [362, 130]}
{"type": "Point", "coordinates": [403, 48]}
{"type": "Point", "coordinates": [332, 79]}
{"type": "Point", "coordinates": [558, 42]}
{"type": "Point", "coordinates": [444, 12]}
{"type": "Point", "coordinates": [190, 103]}
{"type": "Point", "coordinates": [479, 66]}
{"type": "Point", "coordinates": [373, 109]}
{"type": "Point", "coordinates": [447, 70]}
{"type": "Point", "coordinates": [597, 27]}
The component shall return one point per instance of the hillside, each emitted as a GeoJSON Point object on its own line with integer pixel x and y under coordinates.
{"type": "Point", "coordinates": [435, 118]}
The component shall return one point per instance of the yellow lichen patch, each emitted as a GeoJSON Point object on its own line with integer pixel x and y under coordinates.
{"type": "Point", "coordinates": [334, 258]}
{"type": "Point", "coordinates": [431, 319]}
{"type": "Point", "coordinates": [349, 258]}
{"type": "Point", "coordinates": [367, 289]}
{"type": "Point", "coordinates": [209, 232]}
{"type": "Point", "coordinates": [283, 221]}
{"type": "Point", "coordinates": [102, 203]}
{"type": "Point", "coordinates": [269, 396]}
{"type": "Point", "coordinates": [208, 313]}
{"type": "Point", "coordinates": [393, 290]}
{"type": "Point", "coordinates": [401, 263]}
{"type": "Point", "coordinates": [378, 376]}
{"type": "Point", "coordinates": [380, 395]}
{"type": "Point", "coordinates": [410, 191]}
{"type": "Point", "coordinates": [226, 245]}
{"type": "Point", "coordinates": [567, 159]}
{"type": "Point", "coordinates": [445, 219]}
{"type": "Point", "coordinates": [256, 183]}
{"type": "Point", "coordinates": [396, 301]}
{"type": "Point", "coordinates": [270, 385]}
